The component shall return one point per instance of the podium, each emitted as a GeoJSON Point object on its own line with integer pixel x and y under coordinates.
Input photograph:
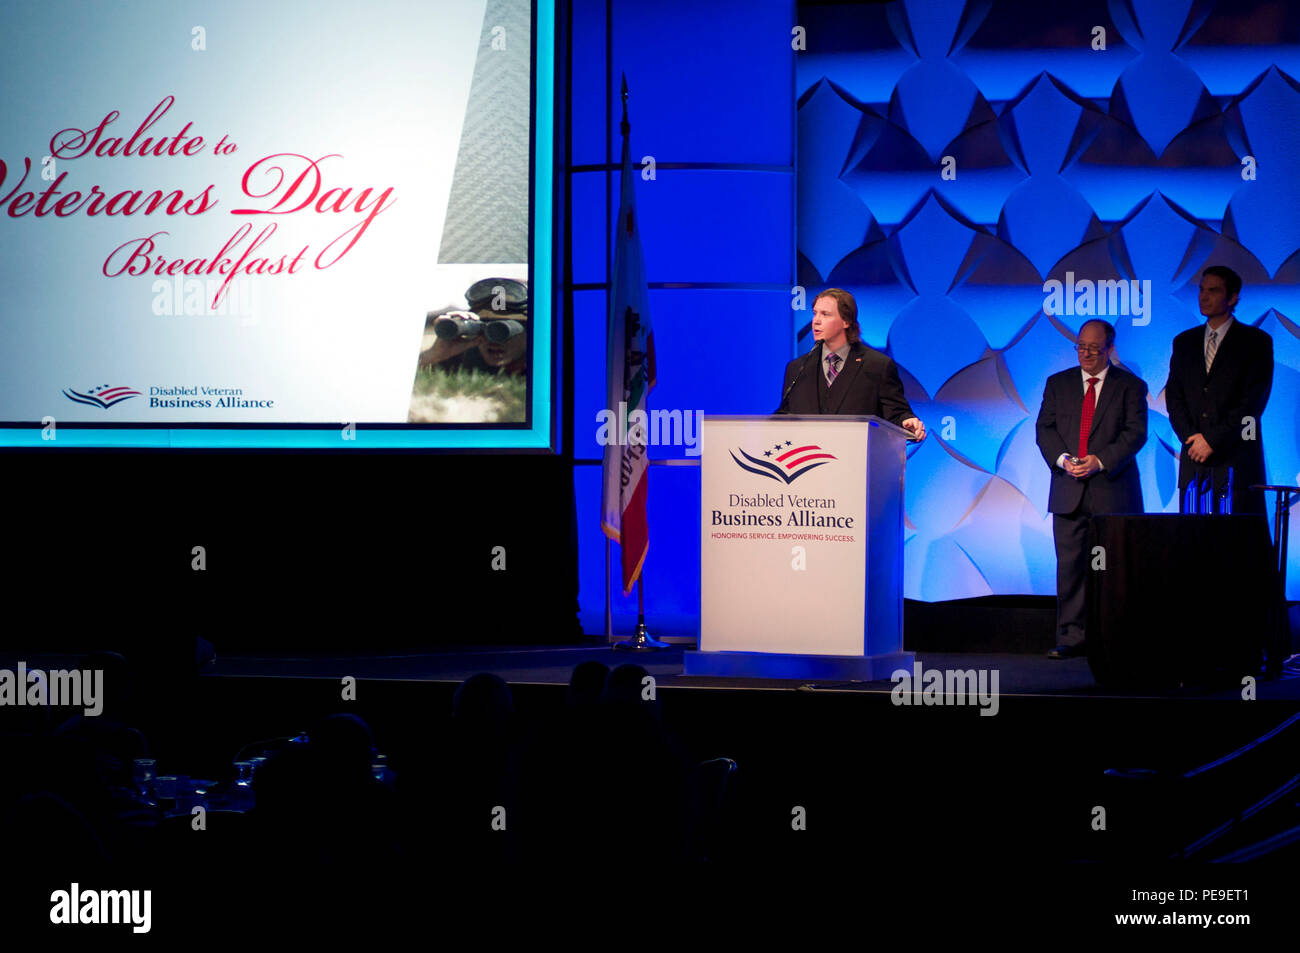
{"type": "Point", "coordinates": [801, 548]}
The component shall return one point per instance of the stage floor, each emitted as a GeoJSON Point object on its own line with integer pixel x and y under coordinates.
{"type": "Point", "coordinates": [1018, 674]}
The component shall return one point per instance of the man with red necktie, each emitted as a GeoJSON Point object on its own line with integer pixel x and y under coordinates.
{"type": "Point", "coordinates": [1092, 423]}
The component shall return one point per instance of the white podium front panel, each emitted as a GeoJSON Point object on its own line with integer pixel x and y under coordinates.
{"type": "Point", "coordinates": [784, 527]}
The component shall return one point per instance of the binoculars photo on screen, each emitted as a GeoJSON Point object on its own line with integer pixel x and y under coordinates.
{"type": "Point", "coordinates": [463, 324]}
{"type": "Point", "coordinates": [489, 335]}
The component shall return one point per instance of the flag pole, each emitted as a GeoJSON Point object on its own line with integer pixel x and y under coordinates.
{"type": "Point", "coordinates": [609, 618]}
{"type": "Point", "coordinates": [641, 639]}
{"type": "Point", "coordinates": [609, 615]}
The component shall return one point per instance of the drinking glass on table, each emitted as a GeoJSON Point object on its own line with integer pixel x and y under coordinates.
{"type": "Point", "coordinates": [164, 786]}
{"type": "Point", "coordinates": [185, 796]}
{"type": "Point", "coordinates": [142, 773]}
{"type": "Point", "coordinates": [241, 792]}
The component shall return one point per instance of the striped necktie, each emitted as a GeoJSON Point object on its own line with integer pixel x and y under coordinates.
{"type": "Point", "coordinates": [1211, 346]}
{"type": "Point", "coordinates": [832, 367]}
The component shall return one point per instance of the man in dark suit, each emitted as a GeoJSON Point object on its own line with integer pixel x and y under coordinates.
{"type": "Point", "coordinates": [1220, 375]}
{"type": "Point", "coordinates": [841, 375]}
{"type": "Point", "coordinates": [1092, 423]}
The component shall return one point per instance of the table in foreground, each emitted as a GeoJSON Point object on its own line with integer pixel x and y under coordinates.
{"type": "Point", "coordinates": [1179, 599]}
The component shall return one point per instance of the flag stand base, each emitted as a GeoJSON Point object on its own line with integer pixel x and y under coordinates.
{"type": "Point", "coordinates": [641, 639]}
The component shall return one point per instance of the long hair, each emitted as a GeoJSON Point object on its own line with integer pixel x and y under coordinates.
{"type": "Point", "coordinates": [848, 311]}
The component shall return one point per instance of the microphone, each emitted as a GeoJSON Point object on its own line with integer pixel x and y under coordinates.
{"type": "Point", "coordinates": [786, 396]}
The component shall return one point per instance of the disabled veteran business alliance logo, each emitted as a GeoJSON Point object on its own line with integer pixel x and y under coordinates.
{"type": "Point", "coordinates": [102, 396]}
{"type": "Point", "coordinates": [784, 462]}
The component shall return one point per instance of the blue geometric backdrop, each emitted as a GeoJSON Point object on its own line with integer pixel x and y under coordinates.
{"type": "Point", "coordinates": [1115, 163]}
{"type": "Point", "coordinates": [1174, 147]}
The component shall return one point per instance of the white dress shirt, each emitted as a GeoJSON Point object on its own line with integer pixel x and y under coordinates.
{"type": "Point", "coordinates": [844, 356]}
{"type": "Point", "coordinates": [1218, 341]}
{"type": "Point", "coordinates": [1101, 380]}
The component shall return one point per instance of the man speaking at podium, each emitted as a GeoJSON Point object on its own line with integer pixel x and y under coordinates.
{"type": "Point", "coordinates": [842, 375]}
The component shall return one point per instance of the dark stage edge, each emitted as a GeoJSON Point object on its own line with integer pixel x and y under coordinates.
{"type": "Point", "coordinates": [1018, 674]}
{"type": "Point", "coordinates": [917, 812]}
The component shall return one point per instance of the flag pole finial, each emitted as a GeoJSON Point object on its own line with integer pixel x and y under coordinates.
{"type": "Point", "coordinates": [625, 127]}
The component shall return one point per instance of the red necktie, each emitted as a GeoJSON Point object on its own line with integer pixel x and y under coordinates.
{"type": "Point", "coordinates": [1089, 408]}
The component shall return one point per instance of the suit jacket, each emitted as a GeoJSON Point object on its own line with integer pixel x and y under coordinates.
{"type": "Point", "coordinates": [1214, 404]}
{"type": "Point", "coordinates": [1119, 429]}
{"type": "Point", "coordinates": [868, 383]}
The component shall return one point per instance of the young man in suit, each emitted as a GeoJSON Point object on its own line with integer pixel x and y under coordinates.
{"type": "Point", "coordinates": [1220, 375]}
{"type": "Point", "coordinates": [1092, 423]}
{"type": "Point", "coordinates": [841, 375]}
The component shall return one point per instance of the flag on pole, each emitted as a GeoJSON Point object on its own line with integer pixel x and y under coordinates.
{"type": "Point", "coordinates": [630, 373]}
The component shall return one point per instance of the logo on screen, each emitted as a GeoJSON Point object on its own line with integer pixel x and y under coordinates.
{"type": "Point", "coordinates": [102, 396]}
{"type": "Point", "coordinates": [784, 462]}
